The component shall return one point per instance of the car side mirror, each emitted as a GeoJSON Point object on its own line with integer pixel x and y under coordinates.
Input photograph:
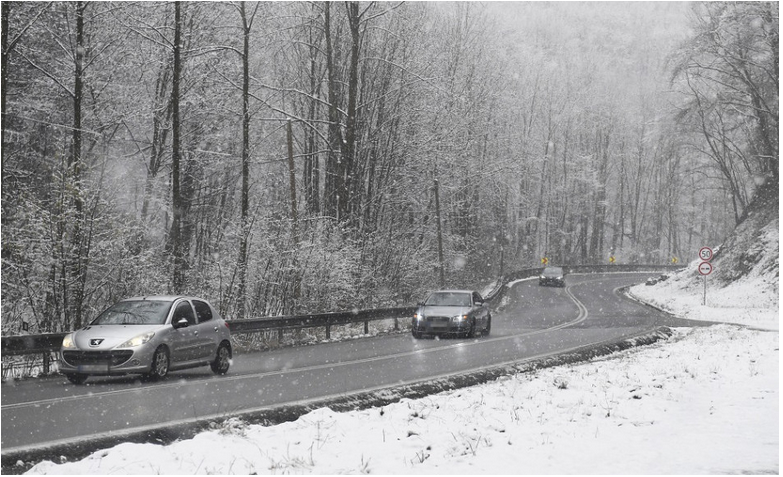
{"type": "Point", "coordinates": [181, 323]}
{"type": "Point", "coordinates": [421, 303]}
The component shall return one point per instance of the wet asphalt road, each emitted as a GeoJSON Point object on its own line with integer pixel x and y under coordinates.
{"type": "Point", "coordinates": [530, 321]}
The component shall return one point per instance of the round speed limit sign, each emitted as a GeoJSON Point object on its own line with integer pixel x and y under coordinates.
{"type": "Point", "coordinates": [705, 253]}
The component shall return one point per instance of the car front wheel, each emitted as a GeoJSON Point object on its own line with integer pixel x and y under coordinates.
{"type": "Point", "coordinates": [472, 330]}
{"type": "Point", "coordinates": [222, 359]}
{"type": "Point", "coordinates": [160, 364]}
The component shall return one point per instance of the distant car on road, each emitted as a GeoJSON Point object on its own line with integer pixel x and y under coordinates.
{"type": "Point", "coordinates": [460, 312]}
{"type": "Point", "coordinates": [552, 276]}
{"type": "Point", "coordinates": [654, 280]}
{"type": "Point", "coordinates": [149, 335]}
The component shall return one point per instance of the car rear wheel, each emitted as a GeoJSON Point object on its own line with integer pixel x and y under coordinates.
{"type": "Point", "coordinates": [160, 364]}
{"type": "Point", "coordinates": [76, 378]}
{"type": "Point", "coordinates": [222, 359]}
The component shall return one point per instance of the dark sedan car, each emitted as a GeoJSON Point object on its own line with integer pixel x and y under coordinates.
{"type": "Point", "coordinates": [552, 276]}
{"type": "Point", "coordinates": [460, 312]}
{"type": "Point", "coordinates": [148, 335]}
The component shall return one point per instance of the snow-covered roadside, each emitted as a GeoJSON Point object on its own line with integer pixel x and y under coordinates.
{"type": "Point", "coordinates": [751, 302]}
{"type": "Point", "coordinates": [704, 401]}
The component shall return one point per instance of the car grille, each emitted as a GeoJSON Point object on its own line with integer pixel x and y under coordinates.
{"type": "Point", "coordinates": [438, 320]}
{"type": "Point", "coordinates": [114, 358]}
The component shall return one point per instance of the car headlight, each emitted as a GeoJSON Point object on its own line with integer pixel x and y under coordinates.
{"type": "Point", "coordinates": [68, 341]}
{"type": "Point", "coordinates": [418, 316]}
{"type": "Point", "coordinates": [460, 318]}
{"type": "Point", "coordinates": [137, 340]}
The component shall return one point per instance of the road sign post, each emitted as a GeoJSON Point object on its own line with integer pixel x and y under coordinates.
{"type": "Point", "coordinates": [705, 268]}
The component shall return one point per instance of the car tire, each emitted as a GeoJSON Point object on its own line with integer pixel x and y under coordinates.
{"type": "Point", "coordinates": [489, 325]}
{"type": "Point", "coordinates": [160, 364]}
{"type": "Point", "coordinates": [416, 334]}
{"type": "Point", "coordinates": [76, 378]}
{"type": "Point", "coordinates": [222, 359]}
{"type": "Point", "coordinates": [472, 330]}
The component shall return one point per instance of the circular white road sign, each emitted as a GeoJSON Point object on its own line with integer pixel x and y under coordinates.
{"type": "Point", "coordinates": [705, 253]}
{"type": "Point", "coordinates": [705, 268]}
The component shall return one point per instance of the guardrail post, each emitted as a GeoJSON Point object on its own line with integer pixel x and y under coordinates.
{"type": "Point", "coordinates": [46, 358]}
{"type": "Point", "coordinates": [366, 327]}
{"type": "Point", "coordinates": [328, 332]}
{"type": "Point", "coordinates": [396, 324]}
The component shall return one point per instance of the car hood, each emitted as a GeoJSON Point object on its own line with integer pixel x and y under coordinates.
{"type": "Point", "coordinates": [111, 335]}
{"type": "Point", "coordinates": [434, 310]}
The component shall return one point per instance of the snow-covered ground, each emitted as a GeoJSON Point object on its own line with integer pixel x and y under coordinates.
{"type": "Point", "coordinates": [703, 402]}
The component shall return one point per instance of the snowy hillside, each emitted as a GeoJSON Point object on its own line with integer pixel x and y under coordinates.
{"type": "Point", "coordinates": [744, 286]}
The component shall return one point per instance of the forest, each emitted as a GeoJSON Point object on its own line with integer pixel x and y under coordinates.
{"type": "Point", "coordinates": [280, 158]}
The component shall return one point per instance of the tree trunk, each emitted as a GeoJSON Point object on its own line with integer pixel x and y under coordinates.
{"type": "Point", "coordinates": [333, 184]}
{"type": "Point", "coordinates": [77, 262]}
{"type": "Point", "coordinates": [175, 238]}
{"type": "Point", "coordinates": [349, 203]}
{"type": "Point", "coordinates": [6, 10]}
{"type": "Point", "coordinates": [245, 200]}
{"type": "Point", "coordinates": [312, 171]}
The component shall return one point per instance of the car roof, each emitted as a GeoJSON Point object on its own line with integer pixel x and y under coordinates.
{"type": "Point", "coordinates": [162, 298]}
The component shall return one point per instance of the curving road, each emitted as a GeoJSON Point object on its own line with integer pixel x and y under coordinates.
{"type": "Point", "coordinates": [531, 321]}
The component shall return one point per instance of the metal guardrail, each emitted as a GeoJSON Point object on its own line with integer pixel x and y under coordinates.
{"type": "Point", "coordinates": [50, 342]}
{"type": "Point", "coordinates": [31, 344]}
{"type": "Point", "coordinates": [533, 272]}
{"type": "Point", "coordinates": [322, 320]}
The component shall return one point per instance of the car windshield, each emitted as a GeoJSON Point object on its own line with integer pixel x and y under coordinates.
{"type": "Point", "coordinates": [553, 272]}
{"type": "Point", "coordinates": [448, 299]}
{"type": "Point", "coordinates": [135, 312]}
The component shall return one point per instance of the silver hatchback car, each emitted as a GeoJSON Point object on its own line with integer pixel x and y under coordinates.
{"type": "Point", "coordinates": [149, 335]}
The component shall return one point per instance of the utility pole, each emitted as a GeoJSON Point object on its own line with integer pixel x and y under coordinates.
{"type": "Point", "coordinates": [440, 234]}
{"type": "Point", "coordinates": [294, 215]}
{"type": "Point", "coordinates": [292, 182]}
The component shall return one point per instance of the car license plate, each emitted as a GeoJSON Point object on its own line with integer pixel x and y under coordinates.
{"type": "Point", "coordinates": [93, 368]}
